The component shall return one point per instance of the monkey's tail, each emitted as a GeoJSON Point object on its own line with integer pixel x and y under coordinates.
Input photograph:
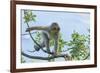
{"type": "Point", "coordinates": [36, 28]}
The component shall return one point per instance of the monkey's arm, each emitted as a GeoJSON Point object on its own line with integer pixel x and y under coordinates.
{"type": "Point", "coordinates": [37, 28]}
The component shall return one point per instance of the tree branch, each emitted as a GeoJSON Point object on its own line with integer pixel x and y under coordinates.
{"type": "Point", "coordinates": [27, 33]}
{"type": "Point", "coordinates": [43, 58]}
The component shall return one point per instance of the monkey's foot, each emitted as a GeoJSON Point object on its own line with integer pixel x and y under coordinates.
{"type": "Point", "coordinates": [54, 54]}
{"type": "Point", "coordinates": [37, 48]}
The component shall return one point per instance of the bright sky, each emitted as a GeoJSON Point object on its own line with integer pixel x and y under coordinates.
{"type": "Point", "coordinates": [68, 22]}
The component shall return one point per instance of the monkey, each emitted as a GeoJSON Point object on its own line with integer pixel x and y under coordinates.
{"type": "Point", "coordinates": [48, 33]}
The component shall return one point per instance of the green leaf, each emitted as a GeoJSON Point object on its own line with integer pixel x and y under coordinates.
{"type": "Point", "coordinates": [29, 16]}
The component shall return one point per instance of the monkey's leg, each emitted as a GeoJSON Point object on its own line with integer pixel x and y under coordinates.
{"type": "Point", "coordinates": [46, 40]}
{"type": "Point", "coordinates": [47, 45]}
{"type": "Point", "coordinates": [55, 44]}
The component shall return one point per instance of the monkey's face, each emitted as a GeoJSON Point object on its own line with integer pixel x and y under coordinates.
{"type": "Point", "coordinates": [55, 27]}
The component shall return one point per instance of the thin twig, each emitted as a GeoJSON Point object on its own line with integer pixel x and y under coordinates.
{"type": "Point", "coordinates": [27, 33]}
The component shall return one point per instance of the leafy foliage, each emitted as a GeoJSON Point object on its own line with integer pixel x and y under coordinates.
{"type": "Point", "coordinates": [29, 16]}
{"type": "Point", "coordinates": [61, 44]}
{"type": "Point", "coordinates": [78, 48]}
{"type": "Point", "coordinates": [37, 37]}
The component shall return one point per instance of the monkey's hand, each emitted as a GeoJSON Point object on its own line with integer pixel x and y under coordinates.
{"type": "Point", "coordinates": [28, 29]}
